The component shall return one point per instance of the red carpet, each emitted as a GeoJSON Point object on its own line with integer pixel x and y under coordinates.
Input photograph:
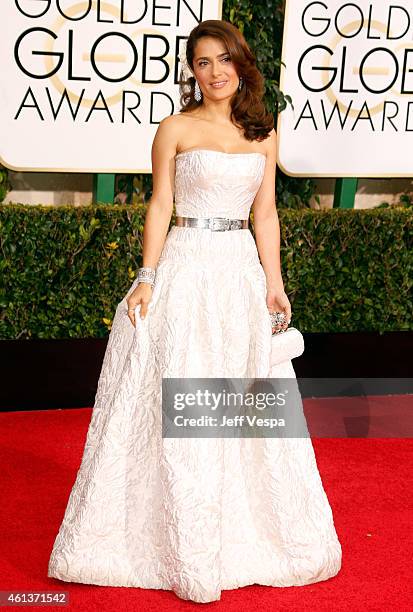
{"type": "Point", "coordinates": [368, 483]}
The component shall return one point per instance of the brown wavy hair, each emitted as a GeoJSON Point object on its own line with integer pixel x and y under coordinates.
{"type": "Point", "coordinates": [247, 107]}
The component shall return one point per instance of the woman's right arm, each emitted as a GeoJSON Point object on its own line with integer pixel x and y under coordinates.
{"type": "Point", "coordinates": [159, 211]}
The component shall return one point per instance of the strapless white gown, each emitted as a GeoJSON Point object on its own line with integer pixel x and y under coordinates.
{"type": "Point", "coordinates": [195, 516]}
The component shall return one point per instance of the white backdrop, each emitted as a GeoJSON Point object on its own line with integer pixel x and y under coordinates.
{"type": "Point", "coordinates": [84, 83]}
{"type": "Point", "coordinates": [349, 72]}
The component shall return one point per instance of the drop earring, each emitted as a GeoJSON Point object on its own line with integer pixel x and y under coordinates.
{"type": "Point", "coordinates": [197, 93]}
{"type": "Point", "coordinates": [240, 83]}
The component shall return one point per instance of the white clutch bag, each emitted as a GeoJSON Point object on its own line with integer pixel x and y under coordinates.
{"type": "Point", "coordinates": [286, 345]}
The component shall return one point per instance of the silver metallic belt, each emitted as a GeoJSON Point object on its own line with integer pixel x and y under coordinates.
{"type": "Point", "coordinates": [216, 224]}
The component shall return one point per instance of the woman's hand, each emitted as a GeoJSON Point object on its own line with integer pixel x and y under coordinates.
{"type": "Point", "coordinates": [277, 301]}
{"type": "Point", "coordinates": [140, 295]}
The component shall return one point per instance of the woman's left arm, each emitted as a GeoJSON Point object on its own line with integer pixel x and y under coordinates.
{"type": "Point", "coordinates": [267, 232]}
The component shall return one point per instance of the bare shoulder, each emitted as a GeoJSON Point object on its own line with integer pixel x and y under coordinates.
{"type": "Point", "coordinates": [169, 125]}
{"type": "Point", "coordinates": [269, 145]}
{"type": "Point", "coordinates": [175, 122]}
{"type": "Point", "coordinates": [167, 135]}
{"type": "Point", "coordinates": [170, 130]}
{"type": "Point", "coordinates": [272, 141]}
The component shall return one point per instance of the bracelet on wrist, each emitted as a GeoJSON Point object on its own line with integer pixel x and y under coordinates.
{"type": "Point", "coordinates": [146, 275]}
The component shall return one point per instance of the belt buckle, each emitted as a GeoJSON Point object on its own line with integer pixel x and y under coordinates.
{"type": "Point", "coordinates": [219, 224]}
{"type": "Point", "coordinates": [235, 224]}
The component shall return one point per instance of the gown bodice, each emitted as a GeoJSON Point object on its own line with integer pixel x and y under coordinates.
{"type": "Point", "coordinates": [211, 183]}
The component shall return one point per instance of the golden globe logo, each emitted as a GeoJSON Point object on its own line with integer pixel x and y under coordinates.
{"type": "Point", "coordinates": [90, 72]}
{"type": "Point", "coordinates": [348, 70]}
{"type": "Point", "coordinates": [112, 57]}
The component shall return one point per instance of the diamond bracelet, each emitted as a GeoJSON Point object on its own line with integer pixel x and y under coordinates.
{"type": "Point", "coordinates": [146, 275]}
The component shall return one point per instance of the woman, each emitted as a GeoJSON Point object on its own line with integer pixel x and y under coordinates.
{"type": "Point", "coordinates": [197, 516]}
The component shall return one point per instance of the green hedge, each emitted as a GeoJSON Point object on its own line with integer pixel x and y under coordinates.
{"type": "Point", "coordinates": [64, 269]}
